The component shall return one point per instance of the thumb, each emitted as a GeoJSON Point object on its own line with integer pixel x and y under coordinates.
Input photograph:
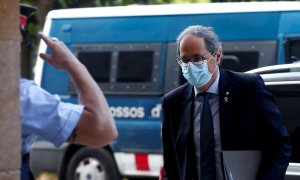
{"type": "Point", "coordinates": [45, 56]}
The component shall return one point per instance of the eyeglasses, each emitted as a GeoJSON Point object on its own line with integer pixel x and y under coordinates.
{"type": "Point", "coordinates": [194, 60]}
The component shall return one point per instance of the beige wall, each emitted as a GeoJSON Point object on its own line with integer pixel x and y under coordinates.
{"type": "Point", "coordinates": [9, 90]}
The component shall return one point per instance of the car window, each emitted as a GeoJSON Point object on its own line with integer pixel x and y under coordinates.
{"type": "Point", "coordinates": [287, 99]}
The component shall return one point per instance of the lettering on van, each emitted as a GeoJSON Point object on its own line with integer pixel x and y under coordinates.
{"type": "Point", "coordinates": [155, 112]}
{"type": "Point", "coordinates": [134, 112]}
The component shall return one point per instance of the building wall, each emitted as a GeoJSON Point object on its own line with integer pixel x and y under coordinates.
{"type": "Point", "coordinates": [10, 158]}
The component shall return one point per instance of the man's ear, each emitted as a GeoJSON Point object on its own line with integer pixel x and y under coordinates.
{"type": "Point", "coordinates": [219, 56]}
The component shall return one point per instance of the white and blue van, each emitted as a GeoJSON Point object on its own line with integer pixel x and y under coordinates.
{"type": "Point", "coordinates": [131, 53]}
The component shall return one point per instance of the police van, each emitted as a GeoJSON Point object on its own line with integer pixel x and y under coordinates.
{"type": "Point", "coordinates": [131, 53]}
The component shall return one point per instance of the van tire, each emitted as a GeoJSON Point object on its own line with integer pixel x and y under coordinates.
{"type": "Point", "coordinates": [92, 163]}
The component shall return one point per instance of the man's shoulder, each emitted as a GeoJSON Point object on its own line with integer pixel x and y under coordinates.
{"type": "Point", "coordinates": [178, 92]}
{"type": "Point", "coordinates": [29, 89]}
{"type": "Point", "coordinates": [25, 82]}
{"type": "Point", "coordinates": [240, 77]}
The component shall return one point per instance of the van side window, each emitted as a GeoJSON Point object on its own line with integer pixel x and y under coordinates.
{"type": "Point", "coordinates": [97, 63]}
{"type": "Point", "coordinates": [124, 68]}
{"type": "Point", "coordinates": [240, 61]}
{"type": "Point", "coordinates": [242, 56]}
{"type": "Point", "coordinates": [287, 99]}
{"type": "Point", "coordinates": [292, 53]}
{"type": "Point", "coordinates": [135, 66]}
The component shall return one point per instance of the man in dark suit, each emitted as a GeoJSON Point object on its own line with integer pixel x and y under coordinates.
{"type": "Point", "coordinates": [240, 114]}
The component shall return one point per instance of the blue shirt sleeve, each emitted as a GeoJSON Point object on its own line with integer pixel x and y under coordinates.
{"type": "Point", "coordinates": [45, 115]}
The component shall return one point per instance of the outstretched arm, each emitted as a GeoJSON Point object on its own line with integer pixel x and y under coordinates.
{"type": "Point", "coordinates": [96, 126]}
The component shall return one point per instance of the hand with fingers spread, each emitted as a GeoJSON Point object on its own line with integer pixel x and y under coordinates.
{"type": "Point", "coordinates": [61, 57]}
{"type": "Point", "coordinates": [96, 126]}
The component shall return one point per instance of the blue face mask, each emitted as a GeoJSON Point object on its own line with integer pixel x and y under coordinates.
{"type": "Point", "coordinates": [197, 73]}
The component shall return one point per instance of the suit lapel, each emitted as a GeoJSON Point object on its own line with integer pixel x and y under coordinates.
{"type": "Point", "coordinates": [226, 100]}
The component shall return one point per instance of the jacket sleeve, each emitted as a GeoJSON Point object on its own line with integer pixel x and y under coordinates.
{"type": "Point", "coordinates": [277, 150]}
{"type": "Point", "coordinates": [170, 163]}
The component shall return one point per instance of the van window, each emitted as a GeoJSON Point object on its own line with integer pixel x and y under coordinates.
{"type": "Point", "coordinates": [242, 56]}
{"type": "Point", "coordinates": [135, 66]}
{"type": "Point", "coordinates": [242, 62]}
{"type": "Point", "coordinates": [98, 64]}
{"type": "Point", "coordinates": [131, 69]}
{"type": "Point", "coordinates": [287, 99]}
{"type": "Point", "coordinates": [292, 50]}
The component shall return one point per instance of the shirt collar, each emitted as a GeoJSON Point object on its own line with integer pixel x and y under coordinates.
{"type": "Point", "coordinates": [214, 88]}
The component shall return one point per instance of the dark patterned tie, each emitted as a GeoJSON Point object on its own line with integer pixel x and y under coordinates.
{"type": "Point", "coordinates": [207, 142]}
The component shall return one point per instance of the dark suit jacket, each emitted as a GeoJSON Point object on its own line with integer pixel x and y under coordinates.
{"type": "Point", "coordinates": [248, 121]}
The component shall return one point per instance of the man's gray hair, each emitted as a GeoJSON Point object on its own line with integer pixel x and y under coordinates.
{"type": "Point", "coordinates": [212, 41]}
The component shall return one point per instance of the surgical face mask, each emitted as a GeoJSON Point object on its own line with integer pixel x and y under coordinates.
{"type": "Point", "coordinates": [197, 73]}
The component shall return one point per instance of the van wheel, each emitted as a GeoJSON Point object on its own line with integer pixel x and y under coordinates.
{"type": "Point", "coordinates": [92, 164]}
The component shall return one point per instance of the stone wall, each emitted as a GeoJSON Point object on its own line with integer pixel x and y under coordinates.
{"type": "Point", "coordinates": [10, 158]}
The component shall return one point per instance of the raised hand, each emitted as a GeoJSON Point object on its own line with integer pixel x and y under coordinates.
{"type": "Point", "coordinates": [61, 57]}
